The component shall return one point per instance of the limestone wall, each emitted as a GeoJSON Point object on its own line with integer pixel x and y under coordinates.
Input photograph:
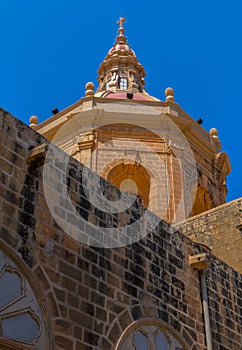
{"type": "Point", "coordinates": [90, 295]}
{"type": "Point", "coordinates": [220, 230]}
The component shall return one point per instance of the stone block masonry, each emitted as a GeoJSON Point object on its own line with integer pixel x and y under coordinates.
{"type": "Point", "coordinates": [220, 230]}
{"type": "Point", "coordinates": [92, 294]}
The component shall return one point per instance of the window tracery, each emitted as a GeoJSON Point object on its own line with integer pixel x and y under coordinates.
{"type": "Point", "coordinates": [148, 336]}
{"type": "Point", "coordinates": [21, 323]}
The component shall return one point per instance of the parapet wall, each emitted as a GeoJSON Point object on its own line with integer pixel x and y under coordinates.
{"type": "Point", "coordinates": [90, 295]}
{"type": "Point", "coordinates": [220, 230]}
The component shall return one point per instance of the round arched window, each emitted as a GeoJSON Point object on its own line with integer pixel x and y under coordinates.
{"type": "Point", "coordinates": [148, 335]}
{"type": "Point", "coordinates": [21, 321]}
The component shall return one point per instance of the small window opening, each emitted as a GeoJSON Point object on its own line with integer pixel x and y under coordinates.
{"type": "Point", "coordinates": [123, 83]}
{"type": "Point", "coordinates": [108, 84]}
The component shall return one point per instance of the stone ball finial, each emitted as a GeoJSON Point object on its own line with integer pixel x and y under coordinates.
{"type": "Point", "coordinates": [214, 136]}
{"type": "Point", "coordinates": [89, 89]}
{"type": "Point", "coordinates": [169, 92]}
{"type": "Point", "coordinates": [33, 121]}
{"type": "Point", "coordinates": [214, 132]}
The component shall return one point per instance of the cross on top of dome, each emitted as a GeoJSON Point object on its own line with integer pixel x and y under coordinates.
{"type": "Point", "coordinates": [121, 38]}
{"type": "Point", "coordinates": [121, 21]}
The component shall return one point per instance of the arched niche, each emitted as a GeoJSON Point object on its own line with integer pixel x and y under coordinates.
{"type": "Point", "coordinates": [202, 202]}
{"type": "Point", "coordinates": [132, 179]}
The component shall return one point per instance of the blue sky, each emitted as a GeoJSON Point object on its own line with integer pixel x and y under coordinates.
{"type": "Point", "coordinates": [50, 49]}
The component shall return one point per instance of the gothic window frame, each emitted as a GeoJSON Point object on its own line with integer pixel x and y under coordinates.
{"type": "Point", "coordinates": [20, 306]}
{"type": "Point", "coordinates": [150, 328]}
{"type": "Point", "coordinates": [8, 344]}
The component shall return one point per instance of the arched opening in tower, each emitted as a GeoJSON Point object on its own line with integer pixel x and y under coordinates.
{"type": "Point", "coordinates": [132, 179]}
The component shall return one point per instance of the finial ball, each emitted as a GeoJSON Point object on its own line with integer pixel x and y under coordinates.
{"type": "Point", "coordinates": [33, 121]}
{"type": "Point", "coordinates": [169, 92]}
{"type": "Point", "coordinates": [89, 89]}
{"type": "Point", "coordinates": [213, 132]}
{"type": "Point", "coordinates": [214, 136]}
{"type": "Point", "coordinates": [89, 86]}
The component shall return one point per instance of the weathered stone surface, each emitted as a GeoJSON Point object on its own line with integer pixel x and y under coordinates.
{"type": "Point", "coordinates": [219, 229]}
{"type": "Point", "coordinates": [94, 294]}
